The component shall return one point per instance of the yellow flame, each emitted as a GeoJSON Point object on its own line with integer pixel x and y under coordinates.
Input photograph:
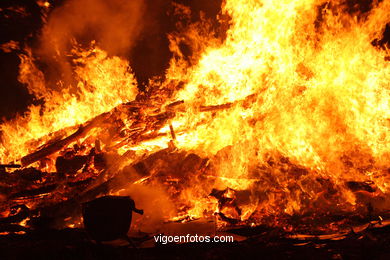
{"type": "Point", "coordinates": [103, 83]}
{"type": "Point", "coordinates": [321, 93]}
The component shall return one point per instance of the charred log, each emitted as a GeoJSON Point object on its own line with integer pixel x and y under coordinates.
{"type": "Point", "coordinates": [360, 186]}
{"type": "Point", "coordinates": [70, 166]}
{"type": "Point", "coordinates": [34, 192]}
{"type": "Point", "coordinates": [58, 145]}
{"type": "Point", "coordinates": [12, 228]}
{"type": "Point", "coordinates": [18, 213]}
{"type": "Point", "coordinates": [3, 167]}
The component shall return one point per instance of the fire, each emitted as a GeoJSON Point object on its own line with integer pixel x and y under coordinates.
{"type": "Point", "coordinates": [291, 111]}
{"type": "Point", "coordinates": [103, 83]}
{"type": "Point", "coordinates": [321, 93]}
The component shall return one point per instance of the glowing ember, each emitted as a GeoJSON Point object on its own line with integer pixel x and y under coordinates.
{"type": "Point", "coordinates": [288, 116]}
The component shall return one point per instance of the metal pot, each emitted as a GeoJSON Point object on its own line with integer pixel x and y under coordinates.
{"type": "Point", "coordinates": [109, 217]}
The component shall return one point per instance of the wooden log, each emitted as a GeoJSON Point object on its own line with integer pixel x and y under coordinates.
{"type": "Point", "coordinates": [12, 228]}
{"type": "Point", "coordinates": [244, 102]}
{"type": "Point", "coordinates": [60, 144]}
{"type": "Point", "coordinates": [3, 167]}
{"type": "Point", "coordinates": [57, 145]}
{"type": "Point", "coordinates": [33, 192]}
{"type": "Point", "coordinates": [361, 186]}
{"type": "Point", "coordinates": [10, 166]}
{"type": "Point", "coordinates": [172, 106]}
{"type": "Point", "coordinates": [173, 135]}
{"type": "Point", "coordinates": [71, 165]}
{"type": "Point", "coordinates": [216, 107]}
{"type": "Point", "coordinates": [154, 122]}
{"type": "Point", "coordinates": [22, 213]}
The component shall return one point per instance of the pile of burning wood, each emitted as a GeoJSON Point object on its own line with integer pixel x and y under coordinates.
{"type": "Point", "coordinates": [83, 170]}
{"type": "Point", "coordinates": [87, 164]}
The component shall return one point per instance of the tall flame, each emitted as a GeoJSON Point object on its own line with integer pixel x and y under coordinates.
{"type": "Point", "coordinates": [321, 93]}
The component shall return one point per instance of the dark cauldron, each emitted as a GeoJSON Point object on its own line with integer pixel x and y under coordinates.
{"type": "Point", "coordinates": [109, 217]}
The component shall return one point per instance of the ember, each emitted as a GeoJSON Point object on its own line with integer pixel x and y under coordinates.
{"type": "Point", "coordinates": [271, 114]}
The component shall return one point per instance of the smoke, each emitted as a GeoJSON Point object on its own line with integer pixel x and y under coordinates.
{"type": "Point", "coordinates": [155, 202]}
{"type": "Point", "coordinates": [114, 26]}
{"type": "Point", "coordinates": [133, 29]}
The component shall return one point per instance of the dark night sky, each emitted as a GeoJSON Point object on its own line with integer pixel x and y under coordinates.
{"type": "Point", "coordinates": [14, 96]}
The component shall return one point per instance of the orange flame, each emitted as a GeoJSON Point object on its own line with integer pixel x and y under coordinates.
{"type": "Point", "coordinates": [104, 82]}
{"type": "Point", "coordinates": [308, 107]}
{"type": "Point", "coordinates": [321, 94]}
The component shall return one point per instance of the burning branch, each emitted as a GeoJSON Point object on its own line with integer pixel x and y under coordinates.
{"type": "Point", "coordinates": [58, 145]}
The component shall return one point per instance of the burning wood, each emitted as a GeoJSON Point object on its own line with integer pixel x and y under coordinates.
{"type": "Point", "coordinates": [251, 130]}
{"type": "Point", "coordinates": [18, 213]}
{"type": "Point", "coordinates": [60, 144]}
{"type": "Point", "coordinates": [5, 166]}
{"type": "Point", "coordinates": [110, 179]}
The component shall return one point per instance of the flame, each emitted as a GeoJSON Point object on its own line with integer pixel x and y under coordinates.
{"type": "Point", "coordinates": [290, 108]}
{"type": "Point", "coordinates": [321, 91]}
{"type": "Point", "coordinates": [103, 83]}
